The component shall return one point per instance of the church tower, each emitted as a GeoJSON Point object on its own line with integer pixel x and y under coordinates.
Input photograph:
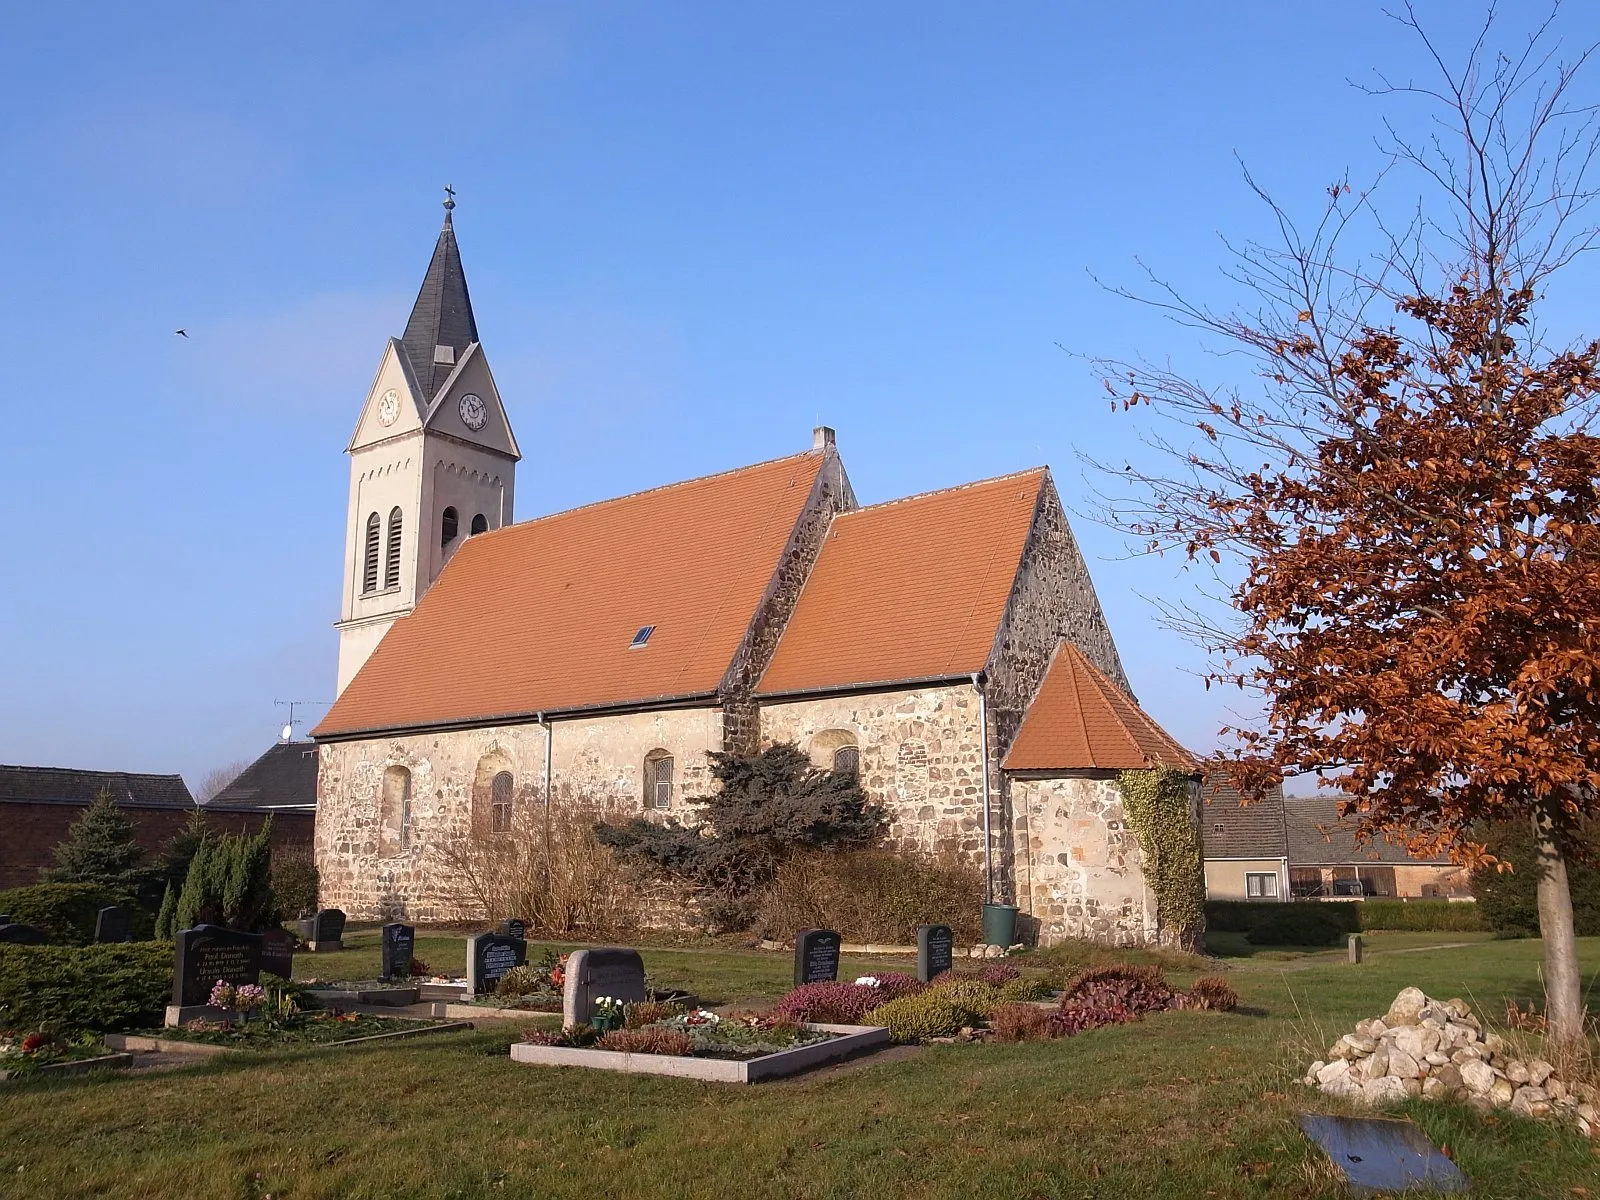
{"type": "Point", "coordinates": [431, 462]}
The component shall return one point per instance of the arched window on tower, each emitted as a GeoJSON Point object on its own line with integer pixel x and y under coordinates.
{"type": "Point", "coordinates": [480, 524]}
{"type": "Point", "coordinates": [449, 526]}
{"type": "Point", "coordinates": [369, 565]}
{"type": "Point", "coordinates": [500, 803]}
{"type": "Point", "coordinates": [391, 557]}
{"type": "Point", "coordinates": [658, 779]}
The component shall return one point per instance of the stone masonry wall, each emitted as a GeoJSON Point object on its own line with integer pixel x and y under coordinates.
{"type": "Point", "coordinates": [920, 758]}
{"type": "Point", "coordinates": [1053, 600]}
{"type": "Point", "coordinates": [600, 759]}
{"type": "Point", "coordinates": [830, 495]}
{"type": "Point", "coordinates": [1079, 869]}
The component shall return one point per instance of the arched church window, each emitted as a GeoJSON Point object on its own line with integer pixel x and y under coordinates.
{"type": "Point", "coordinates": [480, 524]}
{"type": "Point", "coordinates": [847, 761]}
{"type": "Point", "coordinates": [369, 567]}
{"type": "Point", "coordinates": [658, 779]}
{"type": "Point", "coordinates": [395, 815]}
{"type": "Point", "coordinates": [500, 802]}
{"type": "Point", "coordinates": [449, 526]}
{"type": "Point", "coordinates": [391, 557]}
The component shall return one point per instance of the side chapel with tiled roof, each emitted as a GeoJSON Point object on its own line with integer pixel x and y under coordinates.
{"type": "Point", "coordinates": [948, 648]}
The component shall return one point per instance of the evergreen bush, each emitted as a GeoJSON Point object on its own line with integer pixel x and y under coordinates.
{"type": "Point", "coordinates": [1296, 925]}
{"type": "Point", "coordinates": [65, 911]}
{"type": "Point", "coordinates": [920, 1016]}
{"type": "Point", "coordinates": [230, 883]}
{"type": "Point", "coordinates": [99, 849]}
{"type": "Point", "coordinates": [1508, 901]}
{"type": "Point", "coordinates": [73, 989]}
{"type": "Point", "coordinates": [295, 881]}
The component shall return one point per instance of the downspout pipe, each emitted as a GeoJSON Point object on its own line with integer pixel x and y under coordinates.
{"type": "Point", "coordinates": [983, 743]}
{"type": "Point", "coordinates": [545, 725]}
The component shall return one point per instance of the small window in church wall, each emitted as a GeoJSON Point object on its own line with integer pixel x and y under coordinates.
{"type": "Point", "coordinates": [480, 524]}
{"type": "Point", "coordinates": [847, 761]}
{"type": "Point", "coordinates": [500, 802]}
{"type": "Point", "coordinates": [391, 557]}
{"type": "Point", "coordinates": [449, 526]}
{"type": "Point", "coordinates": [658, 779]}
{"type": "Point", "coordinates": [369, 567]}
{"type": "Point", "coordinates": [395, 812]}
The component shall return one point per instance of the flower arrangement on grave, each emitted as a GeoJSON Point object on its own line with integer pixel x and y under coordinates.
{"type": "Point", "coordinates": [608, 1014]}
{"type": "Point", "coordinates": [420, 969]}
{"type": "Point", "coordinates": [25, 1053]}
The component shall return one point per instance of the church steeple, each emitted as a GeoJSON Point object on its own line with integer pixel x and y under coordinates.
{"type": "Point", "coordinates": [441, 326]}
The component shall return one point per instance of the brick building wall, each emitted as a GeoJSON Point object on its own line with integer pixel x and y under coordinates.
{"type": "Point", "coordinates": [30, 831]}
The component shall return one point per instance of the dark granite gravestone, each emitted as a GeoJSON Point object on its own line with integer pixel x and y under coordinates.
{"type": "Point", "coordinates": [816, 956]}
{"type": "Point", "coordinates": [489, 957]}
{"type": "Point", "coordinates": [606, 971]}
{"type": "Point", "coordinates": [1378, 1154]}
{"type": "Point", "coordinates": [325, 931]}
{"type": "Point", "coordinates": [514, 927]}
{"type": "Point", "coordinates": [5, 918]}
{"type": "Point", "coordinates": [208, 953]}
{"type": "Point", "coordinates": [23, 935]}
{"type": "Point", "coordinates": [277, 953]}
{"type": "Point", "coordinates": [936, 951]}
{"type": "Point", "coordinates": [399, 942]}
{"type": "Point", "coordinates": [111, 924]}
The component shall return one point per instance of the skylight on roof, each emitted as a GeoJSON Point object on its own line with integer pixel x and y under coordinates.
{"type": "Point", "coordinates": [640, 638]}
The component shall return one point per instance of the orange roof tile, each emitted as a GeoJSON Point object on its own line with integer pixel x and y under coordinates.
{"type": "Point", "coordinates": [911, 589]}
{"type": "Point", "coordinates": [538, 616]}
{"type": "Point", "coordinates": [1081, 720]}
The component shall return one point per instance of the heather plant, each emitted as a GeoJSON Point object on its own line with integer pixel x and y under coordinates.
{"type": "Point", "coordinates": [975, 998]}
{"type": "Point", "coordinates": [830, 1003]}
{"type": "Point", "coordinates": [920, 1016]}
{"type": "Point", "coordinates": [1214, 993]}
{"type": "Point", "coordinates": [1021, 1023]}
{"type": "Point", "coordinates": [651, 1039]}
{"type": "Point", "coordinates": [649, 1012]}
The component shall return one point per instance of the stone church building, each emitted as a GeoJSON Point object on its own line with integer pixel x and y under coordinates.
{"type": "Point", "coordinates": [948, 648]}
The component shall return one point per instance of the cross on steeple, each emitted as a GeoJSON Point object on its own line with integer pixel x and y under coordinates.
{"type": "Point", "coordinates": [449, 202]}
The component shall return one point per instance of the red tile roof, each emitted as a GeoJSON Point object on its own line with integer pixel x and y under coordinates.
{"type": "Point", "coordinates": [912, 589]}
{"type": "Point", "coordinates": [1081, 720]}
{"type": "Point", "coordinates": [538, 616]}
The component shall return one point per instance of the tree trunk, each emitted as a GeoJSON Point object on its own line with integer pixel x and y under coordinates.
{"type": "Point", "coordinates": [1563, 993]}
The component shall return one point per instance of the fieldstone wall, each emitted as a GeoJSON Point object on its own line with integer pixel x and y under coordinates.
{"type": "Point", "coordinates": [920, 758]}
{"type": "Point", "coordinates": [599, 760]}
{"type": "Point", "coordinates": [830, 496]}
{"type": "Point", "coordinates": [1079, 868]}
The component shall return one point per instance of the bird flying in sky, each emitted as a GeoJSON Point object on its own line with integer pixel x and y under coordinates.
{"type": "Point", "coordinates": [183, 333]}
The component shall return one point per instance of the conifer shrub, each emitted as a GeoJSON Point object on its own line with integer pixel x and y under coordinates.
{"type": "Point", "coordinates": [75, 989]}
{"type": "Point", "coordinates": [920, 1016]}
{"type": "Point", "coordinates": [99, 849]}
{"type": "Point", "coordinates": [1296, 925]}
{"type": "Point", "coordinates": [1508, 901]}
{"type": "Point", "coordinates": [230, 883]}
{"type": "Point", "coordinates": [65, 911]}
{"type": "Point", "coordinates": [975, 998]}
{"type": "Point", "coordinates": [295, 882]}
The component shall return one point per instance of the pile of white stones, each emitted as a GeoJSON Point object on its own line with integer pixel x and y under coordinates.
{"type": "Point", "coordinates": [1437, 1049]}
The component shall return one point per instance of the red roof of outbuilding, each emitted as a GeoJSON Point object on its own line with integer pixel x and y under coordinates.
{"type": "Point", "coordinates": [1080, 720]}
{"type": "Point", "coordinates": [911, 589]}
{"type": "Point", "coordinates": [538, 616]}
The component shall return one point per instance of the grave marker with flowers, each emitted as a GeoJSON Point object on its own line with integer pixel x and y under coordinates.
{"type": "Point", "coordinates": [210, 956]}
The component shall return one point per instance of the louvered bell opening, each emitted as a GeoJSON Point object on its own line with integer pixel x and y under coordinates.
{"type": "Point", "coordinates": [391, 562]}
{"type": "Point", "coordinates": [369, 570]}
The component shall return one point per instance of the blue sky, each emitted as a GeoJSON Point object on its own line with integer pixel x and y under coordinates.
{"type": "Point", "coordinates": [692, 231]}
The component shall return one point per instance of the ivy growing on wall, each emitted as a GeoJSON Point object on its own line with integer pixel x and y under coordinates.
{"type": "Point", "coordinates": [1156, 802]}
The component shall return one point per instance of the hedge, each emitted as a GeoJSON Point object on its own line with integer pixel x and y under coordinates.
{"type": "Point", "coordinates": [1296, 925]}
{"type": "Point", "coordinates": [1351, 916]}
{"type": "Point", "coordinates": [65, 911]}
{"type": "Point", "coordinates": [71, 989]}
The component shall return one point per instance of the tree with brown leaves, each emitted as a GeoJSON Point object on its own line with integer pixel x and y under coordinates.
{"type": "Point", "coordinates": [1410, 491]}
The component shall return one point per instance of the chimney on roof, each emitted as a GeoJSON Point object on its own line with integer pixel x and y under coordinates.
{"type": "Point", "coordinates": [821, 437]}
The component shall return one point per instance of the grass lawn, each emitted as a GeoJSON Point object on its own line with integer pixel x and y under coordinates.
{"type": "Point", "coordinates": [1180, 1105]}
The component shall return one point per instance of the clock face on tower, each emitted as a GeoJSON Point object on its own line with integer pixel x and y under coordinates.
{"type": "Point", "coordinates": [473, 412]}
{"type": "Point", "coordinates": [389, 407]}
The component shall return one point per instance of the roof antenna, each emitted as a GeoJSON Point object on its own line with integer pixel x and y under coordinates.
{"type": "Point", "coordinates": [287, 733]}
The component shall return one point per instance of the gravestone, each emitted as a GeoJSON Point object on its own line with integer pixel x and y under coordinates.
{"type": "Point", "coordinates": [591, 974]}
{"type": "Point", "coordinates": [277, 952]}
{"type": "Point", "coordinates": [514, 927]}
{"type": "Point", "coordinates": [111, 924]}
{"type": "Point", "coordinates": [208, 953]}
{"type": "Point", "coordinates": [936, 951]}
{"type": "Point", "coordinates": [325, 931]}
{"type": "Point", "coordinates": [1355, 948]}
{"type": "Point", "coordinates": [489, 957]}
{"type": "Point", "coordinates": [23, 935]}
{"type": "Point", "coordinates": [5, 918]}
{"type": "Point", "coordinates": [816, 956]}
{"type": "Point", "coordinates": [399, 943]}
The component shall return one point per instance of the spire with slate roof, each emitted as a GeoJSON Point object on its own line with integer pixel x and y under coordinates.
{"type": "Point", "coordinates": [441, 325]}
